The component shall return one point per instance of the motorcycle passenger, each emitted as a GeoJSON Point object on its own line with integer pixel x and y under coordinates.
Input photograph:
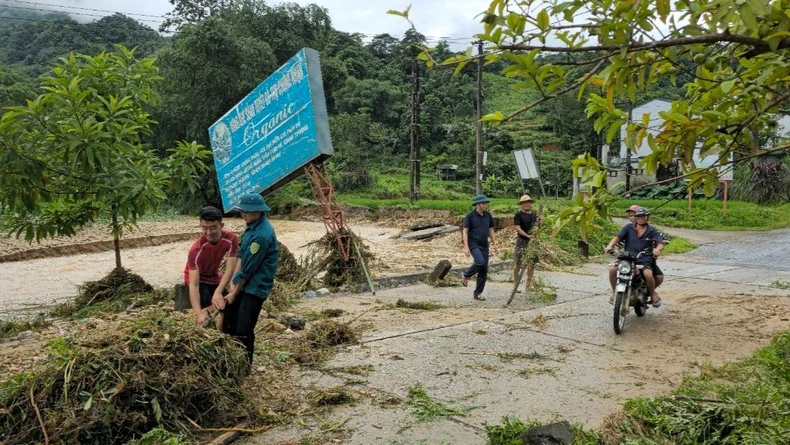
{"type": "Point", "coordinates": [638, 237]}
{"type": "Point", "coordinates": [630, 212]}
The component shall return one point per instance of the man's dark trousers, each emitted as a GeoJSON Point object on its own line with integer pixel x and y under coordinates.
{"type": "Point", "coordinates": [480, 267]}
{"type": "Point", "coordinates": [241, 317]}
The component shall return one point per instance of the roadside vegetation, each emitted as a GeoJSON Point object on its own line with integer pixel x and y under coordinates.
{"type": "Point", "coordinates": [740, 402]}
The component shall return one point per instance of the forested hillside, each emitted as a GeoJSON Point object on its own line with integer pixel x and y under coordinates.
{"type": "Point", "coordinates": [217, 55]}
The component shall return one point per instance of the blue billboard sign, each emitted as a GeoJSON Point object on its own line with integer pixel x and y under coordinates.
{"type": "Point", "coordinates": [266, 139]}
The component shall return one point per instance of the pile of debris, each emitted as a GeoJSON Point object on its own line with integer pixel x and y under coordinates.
{"type": "Point", "coordinates": [113, 293]}
{"type": "Point", "coordinates": [325, 255]}
{"type": "Point", "coordinates": [115, 384]}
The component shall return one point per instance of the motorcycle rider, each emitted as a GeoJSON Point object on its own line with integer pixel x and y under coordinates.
{"type": "Point", "coordinates": [638, 237]}
{"type": "Point", "coordinates": [657, 272]}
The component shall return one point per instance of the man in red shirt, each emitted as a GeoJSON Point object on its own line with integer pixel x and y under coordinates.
{"type": "Point", "coordinates": [202, 271]}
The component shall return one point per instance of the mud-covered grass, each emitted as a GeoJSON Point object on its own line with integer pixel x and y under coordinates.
{"type": "Point", "coordinates": [427, 409]}
{"type": "Point", "coordinates": [418, 305]}
{"type": "Point", "coordinates": [322, 398]}
{"type": "Point", "coordinates": [112, 294]}
{"type": "Point", "coordinates": [741, 402]}
{"type": "Point", "coordinates": [12, 327]}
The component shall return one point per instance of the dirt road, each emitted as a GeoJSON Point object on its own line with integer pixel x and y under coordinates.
{"type": "Point", "coordinates": [530, 360]}
{"type": "Point", "coordinates": [537, 361]}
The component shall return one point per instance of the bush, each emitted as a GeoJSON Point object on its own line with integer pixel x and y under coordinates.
{"type": "Point", "coordinates": [293, 195]}
{"type": "Point", "coordinates": [354, 178]}
{"type": "Point", "coordinates": [762, 182]}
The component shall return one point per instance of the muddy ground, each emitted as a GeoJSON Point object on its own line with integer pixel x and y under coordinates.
{"type": "Point", "coordinates": [538, 361]}
{"type": "Point", "coordinates": [32, 284]}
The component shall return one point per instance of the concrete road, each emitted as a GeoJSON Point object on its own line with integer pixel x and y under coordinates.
{"type": "Point", "coordinates": [538, 361]}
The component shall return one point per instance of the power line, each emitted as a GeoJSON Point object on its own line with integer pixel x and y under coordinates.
{"type": "Point", "coordinates": [85, 9]}
{"type": "Point", "coordinates": [63, 12]}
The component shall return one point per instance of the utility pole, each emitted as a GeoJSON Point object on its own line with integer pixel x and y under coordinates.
{"type": "Point", "coordinates": [479, 125]}
{"type": "Point", "coordinates": [416, 131]}
{"type": "Point", "coordinates": [412, 138]}
{"type": "Point", "coordinates": [628, 150]}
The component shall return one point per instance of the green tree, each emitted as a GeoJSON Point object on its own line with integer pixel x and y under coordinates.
{"type": "Point", "coordinates": [209, 68]}
{"type": "Point", "coordinates": [739, 74]}
{"type": "Point", "coordinates": [74, 153]}
{"type": "Point", "coordinates": [14, 89]}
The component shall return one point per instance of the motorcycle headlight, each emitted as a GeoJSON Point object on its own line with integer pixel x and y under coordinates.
{"type": "Point", "coordinates": [624, 267]}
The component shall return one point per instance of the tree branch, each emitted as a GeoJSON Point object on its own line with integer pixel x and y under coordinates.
{"type": "Point", "coordinates": [559, 93]}
{"type": "Point", "coordinates": [644, 46]}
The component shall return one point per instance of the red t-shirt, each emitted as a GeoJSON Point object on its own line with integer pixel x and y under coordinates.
{"type": "Point", "coordinates": [206, 257]}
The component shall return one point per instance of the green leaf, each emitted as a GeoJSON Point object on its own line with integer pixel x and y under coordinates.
{"type": "Point", "coordinates": [611, 132]}
{"type": "Point", "coordinates": [727, 85]}
{"type": "Point", "coordinates": [404, 13]}
{"type": "Point", "coordinates": [88, 404]}
{"type": "Point", "coordinates": [662, 6]}
{"type": "Point", "coordinates": [758, 6]}
{"type": "Point", "coordinates": [495, 117]}
{"type": "Point", "coordinates": [543, 20]}
{"type": "Point", "coordinates": [157, 409]}
{"type": "Point", "coordinates": [748, 18]}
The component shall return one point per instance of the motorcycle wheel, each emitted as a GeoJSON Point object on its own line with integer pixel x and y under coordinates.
{"type": "Point", "coordinates": [639, 309]}
{"type": "Point", "coordinates": [619, 312]}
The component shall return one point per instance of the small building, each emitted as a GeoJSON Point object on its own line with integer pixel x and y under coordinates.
{"type": "Point", "coordinates": [446, 172]}
{"type": "Point", "coordinates": [615, 162]}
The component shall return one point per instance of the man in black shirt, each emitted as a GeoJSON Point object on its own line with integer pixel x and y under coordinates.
{"type": "Point", "coordinates": [478, 228]}
{"type": "Point", "coordinates": [524, 220]}
{"type": "Point", "coordinates": [639, 237]}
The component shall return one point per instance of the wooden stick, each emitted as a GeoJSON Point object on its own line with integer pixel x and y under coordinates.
{"type": "Point", "coordinates": [726, 189]}
{"type": "Point", "coordinates": [227, 438]}
{"type": "Point", "coordinates": [38, 415]}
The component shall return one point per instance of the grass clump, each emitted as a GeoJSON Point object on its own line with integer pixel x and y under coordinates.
{"type": "Point", "coordinates": [510, 356]}
{"type": "Point", "coordinates": [509, 432]}
{"type": "Point", "coordinates": [723, 405]}
{"type": "Point", "coordinates": [315, 346]}
{"type": "Point", "coordinates": [428, 409]}
{"type": "Point", "coordinates": [328, 333]}
{"type": "Point", "coordinates": [540, 291]}
{"type": "Point", "coordinates": [117, 384]}
{"type": "Point", "coordinates": [779, 284]}
{"type": "Point", "coordinates": [678, 245]}
{"type": "Point", "coordinates": [10, 328]}
{"type": "Point", "coordinates": [529, 372]}
{"type": "Point", "coordinates": [419, 305]}
{"type": "Point", "coordinates": [360, 370]}
{"type": "Point", "coordinates": [330, 397]}
{"type": "Point", "coordinates": [511, 429]}
{"type": "Point", "coordinates": [112, 294]}
{"type": "Point", "coordinates": [157, 436]}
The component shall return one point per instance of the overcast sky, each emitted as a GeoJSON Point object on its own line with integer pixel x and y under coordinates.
{"type": "Point", "coordinates": [434, 18]}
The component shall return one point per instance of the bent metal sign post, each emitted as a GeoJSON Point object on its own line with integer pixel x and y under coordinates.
{"type": "Point", "coordinates": [265, 140]}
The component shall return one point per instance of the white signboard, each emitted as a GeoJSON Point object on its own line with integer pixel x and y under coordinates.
{"type": "Point", "coordinates": [725, 172]}
{"type": "Point", "coordinates": [525, 162]}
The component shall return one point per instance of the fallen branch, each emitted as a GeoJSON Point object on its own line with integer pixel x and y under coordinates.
{"type": "Point", "coordinates": [38, 415]}
{"type": "Point", "coordinates": [240, 428]}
